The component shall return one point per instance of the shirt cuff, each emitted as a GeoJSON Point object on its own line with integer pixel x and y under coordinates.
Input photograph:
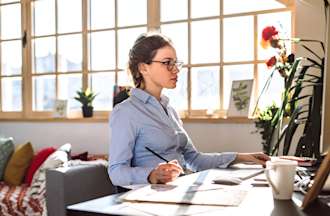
{"type": "Point", "coordinates": [226, 159]}
{"type": "Point", "coordinates": [141, 175]}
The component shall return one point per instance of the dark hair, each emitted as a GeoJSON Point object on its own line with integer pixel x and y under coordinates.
{"type": "Point", "coordinates": [143, 51]}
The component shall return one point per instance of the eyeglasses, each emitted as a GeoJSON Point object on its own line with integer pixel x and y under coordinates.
{"type": "Point", "coordinates": [170, 64]}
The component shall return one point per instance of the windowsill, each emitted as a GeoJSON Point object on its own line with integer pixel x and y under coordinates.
{"type": "Point", "coordinates": [194, 119]}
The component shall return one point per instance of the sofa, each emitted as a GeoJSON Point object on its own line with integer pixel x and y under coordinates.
{"type": "Point", "coordinates": [69, 185]}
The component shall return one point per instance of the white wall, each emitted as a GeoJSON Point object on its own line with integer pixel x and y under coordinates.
{"type": "Point", "coordinates": [94, 137]}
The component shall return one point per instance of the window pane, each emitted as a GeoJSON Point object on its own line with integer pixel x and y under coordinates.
{"type": "Point", "coordinates": [43, 93]}
{"type": "Point", "coordinates": [69, 53]}
{"type": "Point", "coordinates": [205, 88]}
{"type": "Point", "coordinates": [69, 15]}
{"type": "Point", "coordinates": [102, 84]}
{"type": "Point", "coordinates": [234, 41]}
{"type": "Point", "coordinates": [282, 22]}
{"type": "Point", "coordinates": [178, 33]}
{"type": "Point", "coordinates": [102, 50]}
{"type": "Point", "coordinates": [11, 53]}
{"type": "Point", "coordinates": [44, 55]}
{"type": "Point", "coordinates": [132, 12]}
{"type": "Point", "coordinates": [234, 72]}
{"type": "Point", "coordinates": [11, 94]}
{"type": "Point", "coordinates": [230, 6]}
{"type": "Point", "coordinates": [205, 47]}
{"type": "Point", "coordinates": [68, 85]}
{"type": "Point", "coordinates": [173, 10]}
{"type": "Point", "coordinates": [126, 38]}
{"type": "Point", "coordinates": [43, 17]}
{"type": "Point", "coordinates": [11, 21]}
{"type": "Point", "coordinates": [275, 90]}
{"type": "Point", "coordinates": [179, 95]}
{"type": "Point", "coordinates": [205, 8]}
{"type": "Point", "coordinates": [125, 79]}
{"type": "Point", "coordinates": [102, 14]}
{"type": "Point", "coordinates": [8, 1]}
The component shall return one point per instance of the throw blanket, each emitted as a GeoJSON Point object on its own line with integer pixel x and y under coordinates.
{"type": "Point", "coordinates": [38, 189]}
{"type": "Point", "coordinates": [15, 200]}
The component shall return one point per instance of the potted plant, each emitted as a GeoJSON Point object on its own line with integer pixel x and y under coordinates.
{"type": "Point", "coordinates": [264, 126]}
{"type": "Point", "coordinates": [86, 99]}
{"type": "Point", "coordinates": [301, 107]}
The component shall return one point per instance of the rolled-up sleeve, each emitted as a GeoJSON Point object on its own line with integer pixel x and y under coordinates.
{"type": "Point", "coordinates": [198, 161]}
{"type": "Point", "coordinates": [123, 134]}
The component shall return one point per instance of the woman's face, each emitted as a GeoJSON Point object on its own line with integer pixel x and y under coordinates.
{"type": "Point", "coordinates": [162, 72]}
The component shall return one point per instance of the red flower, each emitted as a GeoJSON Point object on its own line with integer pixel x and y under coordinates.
{"type": "Point", "coordinates": [271, 62]}
{"type": "Point", "coordinates": [269, 32]}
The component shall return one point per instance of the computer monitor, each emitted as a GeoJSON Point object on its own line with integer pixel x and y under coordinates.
{"type": "Point", "coordinates": [325, 128]}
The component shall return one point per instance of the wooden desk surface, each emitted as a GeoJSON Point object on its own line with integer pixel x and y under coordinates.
{"type": "Point", "coordinates": [259, 201]}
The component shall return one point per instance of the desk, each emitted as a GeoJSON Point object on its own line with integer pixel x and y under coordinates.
{"type": "Point", "coordinates": [258, 201]}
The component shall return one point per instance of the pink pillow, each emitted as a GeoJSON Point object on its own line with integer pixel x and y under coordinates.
{"type": "Point", "coordinates": [38, 159]}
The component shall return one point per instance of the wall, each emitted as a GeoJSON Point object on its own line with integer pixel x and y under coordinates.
{"type": "Point", "coordinates": [207, 137]}
{"type": "Point", "coordinates": [94, 136]}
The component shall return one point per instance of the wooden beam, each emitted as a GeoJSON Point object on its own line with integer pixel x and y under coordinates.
{"type": "Point", "coordinates": [287, 3]}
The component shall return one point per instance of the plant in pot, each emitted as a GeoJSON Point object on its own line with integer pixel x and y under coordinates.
{"type": "Point", "coordinates": [300, 106]}
{"type": "Point", "coordinates": [86, 99]}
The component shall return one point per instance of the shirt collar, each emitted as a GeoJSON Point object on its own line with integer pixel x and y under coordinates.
{"type": "Point", "coordinates": [145, 96]}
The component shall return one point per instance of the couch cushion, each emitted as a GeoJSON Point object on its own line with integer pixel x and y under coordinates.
{"type": "Point", "coordinates": [38, 159]}
{"type": "Point", "coordinates": [6, 150]}
{"type": "Point", "coordinates": [18, 164]}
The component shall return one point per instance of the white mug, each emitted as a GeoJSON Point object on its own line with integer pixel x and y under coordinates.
{"type": "Point", "coordinates": [280, 175]}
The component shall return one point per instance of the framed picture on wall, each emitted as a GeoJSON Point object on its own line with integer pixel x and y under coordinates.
{"type": "Point", "coordinates": [240, 98]}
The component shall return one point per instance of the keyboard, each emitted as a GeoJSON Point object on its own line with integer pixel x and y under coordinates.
{"type": "Point", "coordinates": [244, 174]}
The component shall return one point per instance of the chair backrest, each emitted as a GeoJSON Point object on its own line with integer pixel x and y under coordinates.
{"type": "Point", "coordinates": [120, 94]}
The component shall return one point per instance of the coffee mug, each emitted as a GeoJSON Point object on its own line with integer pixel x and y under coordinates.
{"type": "Point", "coordinates": [280, 175]}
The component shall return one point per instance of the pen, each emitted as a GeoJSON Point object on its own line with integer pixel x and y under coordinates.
{"type": "Point", "coordinates": [156, 154]}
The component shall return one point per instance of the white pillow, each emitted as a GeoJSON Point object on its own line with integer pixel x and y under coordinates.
{"type": "Point", "coordinates": [55, 160]}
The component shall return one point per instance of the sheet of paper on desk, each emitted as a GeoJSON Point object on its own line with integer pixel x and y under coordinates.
{"type": "Point", "coordinates": [165, 209]}
{"type": "Point", "coordinates": [199, 195]}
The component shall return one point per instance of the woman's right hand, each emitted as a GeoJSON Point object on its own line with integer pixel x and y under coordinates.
{"type": "Point", "coordinates": [165, 172]}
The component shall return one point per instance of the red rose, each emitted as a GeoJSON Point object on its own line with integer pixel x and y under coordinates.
{"type": "Point", "coordinates": [271, 62]}
{"type": "Point", "coordinates": [269, 32]}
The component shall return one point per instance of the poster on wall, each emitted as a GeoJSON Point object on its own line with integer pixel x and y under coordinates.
{"type": "Point", "coordinates": [240, 98]}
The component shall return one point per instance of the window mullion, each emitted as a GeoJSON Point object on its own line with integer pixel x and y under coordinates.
{"type": "Point", "coordinates": [189, 59]}
{"type": "Point", "coordinates": [255, 65]}
{"type": "Point", "coordinates": [56, 51]}
{"type": "Point", "coordinates": [85, 44]}
{"type": "Point", "coordinates": [221, 58]}
{"type": "Point", "coordinates": [153, 15]}
{"type": "Point", "coordinates": [27, 63]}
{"type": "Point", "coordinates": [116, 43]}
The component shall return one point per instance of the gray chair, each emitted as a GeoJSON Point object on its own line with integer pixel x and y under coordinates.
{"type": "Point", "coordinates": [66, 186]}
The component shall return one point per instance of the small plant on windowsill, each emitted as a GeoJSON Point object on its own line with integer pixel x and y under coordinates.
{"type": "Point", "coordinates": [86, 99]}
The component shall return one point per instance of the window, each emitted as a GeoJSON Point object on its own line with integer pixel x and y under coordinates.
{"type": "Point", "coordinates": [49, 49]}
{"type": "Point", "coordinates": [11, 56]}
{"type": "Point", "coordinates": [219, 42]}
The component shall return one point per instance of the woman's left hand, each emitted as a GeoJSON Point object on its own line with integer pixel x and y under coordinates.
{"type": "Point", "coordinates": [257, 157]}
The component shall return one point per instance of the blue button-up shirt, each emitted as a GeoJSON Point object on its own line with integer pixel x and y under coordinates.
{"type": "Point", "coordinates": [143, 121]}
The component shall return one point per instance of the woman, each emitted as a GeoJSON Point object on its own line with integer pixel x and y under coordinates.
{"type": "Point", "coordinates": [146, 120]}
